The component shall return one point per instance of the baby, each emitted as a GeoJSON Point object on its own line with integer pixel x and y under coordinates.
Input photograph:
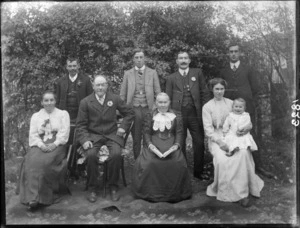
{"type": "Point", "coordinates": [238, 120]}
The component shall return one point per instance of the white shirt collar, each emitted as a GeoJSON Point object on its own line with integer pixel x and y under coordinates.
{"type": "Point", "coordinates": [101, 100]}
{"type": "Point", "coordinates": [142, 68]}
{"type": "Point", "coordinates": [73, 78]}
{"type": "Point", "coordinates": [236, 64]}
{"type": "Point", "coordinates": [181, 71]}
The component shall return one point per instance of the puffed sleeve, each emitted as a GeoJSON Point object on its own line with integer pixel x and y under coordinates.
{"type": "Point", "coordinates": [34, 138]}
{"type": "Point", "coordinates": [62, 135]}
{"type": "Point", "coordinates": [208, 123]}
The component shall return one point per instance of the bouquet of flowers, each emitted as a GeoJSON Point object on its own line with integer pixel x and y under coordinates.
{"type": "Point", "coordinates": [103, 153]}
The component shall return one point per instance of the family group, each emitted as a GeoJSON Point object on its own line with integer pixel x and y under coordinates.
{"type": "Point", "coordinates": [222, 110]}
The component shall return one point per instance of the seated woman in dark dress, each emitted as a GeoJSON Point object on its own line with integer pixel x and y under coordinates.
{"type": "Point", "coordinates": [160, 172]}
{"type": "Point", "coordinates": [42, 171]}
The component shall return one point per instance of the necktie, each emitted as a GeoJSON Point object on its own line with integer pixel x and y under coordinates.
{"type": "Point", "coordinates": [184, 74]}
{"type": "Point", "coordinates": [140, 72]}
{"type": "Point", "coordinates": [234, 68]}
{"type": "Point", "coordinates": [101, 100]}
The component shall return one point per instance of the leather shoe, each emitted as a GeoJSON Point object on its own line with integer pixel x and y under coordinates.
{"type": "Point", "coordinates": [202, 177]}
{"type": "Point", "coordinates": [32, 205]}
{"type": "Point", "coordinates": [114, 195]}
{"type": "Point", "coordinates": [265, 173]}
{"type": "Point", "coordinates": [92, 197]}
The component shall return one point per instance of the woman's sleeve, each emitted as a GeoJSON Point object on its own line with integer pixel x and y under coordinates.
{"type": "Point", "coordinates": [147, 130]}
{"type": "Point", "coordinates": [62, 135]}
{"type": "Point", "coordinates": [34, 137]}
{"type": "Point", "coordinates": [208, 123]}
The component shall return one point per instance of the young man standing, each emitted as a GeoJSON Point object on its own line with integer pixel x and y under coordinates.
{"type": "Point", "coordinates": [139, 88]}
{"type": "Point", "coordinates": [243, 82]}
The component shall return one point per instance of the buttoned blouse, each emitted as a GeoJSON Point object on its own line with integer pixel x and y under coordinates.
{"type": "Point", "coordinates": [214, 114]}
{"type": "Point", "coordinates": [43, 123]}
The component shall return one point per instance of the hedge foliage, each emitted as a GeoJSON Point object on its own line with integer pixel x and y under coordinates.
{"type": "Point", "coordinates": [36, 42]}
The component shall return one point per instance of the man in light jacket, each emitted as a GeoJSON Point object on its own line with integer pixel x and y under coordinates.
{"type": "Point", "coordinates": [139, 88]}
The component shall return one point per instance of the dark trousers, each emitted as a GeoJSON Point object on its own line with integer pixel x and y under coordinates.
{"type": "Point", "coordinates": [137, 129]}
{"type": "Point", "coordinates": [256, 154]}
{"type": "Point", "coordinates": [114, 163]}
{"type": "Point", "coordinates": [190, 121]}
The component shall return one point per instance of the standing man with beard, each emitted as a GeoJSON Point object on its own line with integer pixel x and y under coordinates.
{"type": "Point", "coordinates": [139, 88]}
{"type": "Point", "coordinates": [187, 91]}
{"type": "Point", "coordinates": [72, 88]}
{"type": "Point", "coordinates": [96, 126]}
{"type": "Point", "coordinates": [243, 82]}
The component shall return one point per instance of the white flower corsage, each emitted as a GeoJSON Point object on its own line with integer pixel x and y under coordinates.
{"type": "Point", "coordinates": [109, 103]}
{"type": "Point", "coordinates": [193, 79]}
{"type": "Point", "coordinates": [79, 83]}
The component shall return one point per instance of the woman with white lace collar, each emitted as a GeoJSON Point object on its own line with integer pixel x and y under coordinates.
{"type": "Point", "coordinates": [160, 172]}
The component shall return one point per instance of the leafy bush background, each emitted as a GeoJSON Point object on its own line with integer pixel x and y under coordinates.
{"type": "Point", "coordinates": [36, 42]}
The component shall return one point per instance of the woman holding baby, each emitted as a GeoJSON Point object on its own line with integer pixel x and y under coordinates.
{"type": "Point", "coordinates": [234, 171]}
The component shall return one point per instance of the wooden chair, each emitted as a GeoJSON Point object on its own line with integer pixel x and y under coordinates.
{"type": "Point", "coordinates": [73, 156]}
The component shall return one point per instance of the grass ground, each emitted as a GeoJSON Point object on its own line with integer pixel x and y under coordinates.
{"type": "Point", "coordinates": [276, 205]}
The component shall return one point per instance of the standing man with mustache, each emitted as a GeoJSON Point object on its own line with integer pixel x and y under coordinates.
{"type": "Point", "coordinates": [243, 82]}
{"type": "Point", "coordinates": [187, 91]}
{"type": "Point", "coordinates": [139, 88]}
{"type": "Point", "coordinates": [72, 88]}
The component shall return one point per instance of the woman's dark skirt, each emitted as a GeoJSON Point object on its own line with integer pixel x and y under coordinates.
{"type": "Point", "coordinates": [42, 175]}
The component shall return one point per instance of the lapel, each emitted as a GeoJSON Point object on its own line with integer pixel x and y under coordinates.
{"type": "Point", "coordinates": [240, 68]}
{"type": "Point", "coordinates": [131, 80]}
{"type": "Point", "coordinates": [147, 77]}
{"type": "Point", "coordinates": [108, 98]}
{"type": "Point", "coordinates": [95, 103]}
{"type": "Point", "coordinates": [192, 75]}
{"type": "Point", "coordinates": [178, 80]}
{"type": "Point", "coordinates": [79, 78]}
{"type": "Point", "coordinates": [65, 85]}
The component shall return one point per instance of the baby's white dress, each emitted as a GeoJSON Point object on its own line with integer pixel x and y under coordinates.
{"type": "Point", "coordinates": [232, 124]}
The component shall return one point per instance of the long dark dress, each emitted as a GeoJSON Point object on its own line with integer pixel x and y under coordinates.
{"type": "Point", "coordinates": [161, 179]}
{"type": "Point", "coordinates": [42, 174]}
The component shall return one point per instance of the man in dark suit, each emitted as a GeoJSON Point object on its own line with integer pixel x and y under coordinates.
{"type": "Point", "coordinates": [187, 91]}
{"type": "Point", "coordinates": [96, 126]}
{"type": "Point", "coordinates": [71, 89]}
{"type": "Point", "coordinates": [243, 82]}
{"type": "Point", "coordinates": [139, 88]}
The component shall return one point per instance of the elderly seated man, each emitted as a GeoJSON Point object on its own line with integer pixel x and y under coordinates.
{"type": "Point", "coordinates": [97, 126]}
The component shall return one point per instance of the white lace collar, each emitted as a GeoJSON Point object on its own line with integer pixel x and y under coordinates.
{"type": "Point", "coordinates": [163, 121]}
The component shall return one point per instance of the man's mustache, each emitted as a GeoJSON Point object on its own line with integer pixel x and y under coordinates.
{"type": "Point", "coordinates": [183, 63]}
